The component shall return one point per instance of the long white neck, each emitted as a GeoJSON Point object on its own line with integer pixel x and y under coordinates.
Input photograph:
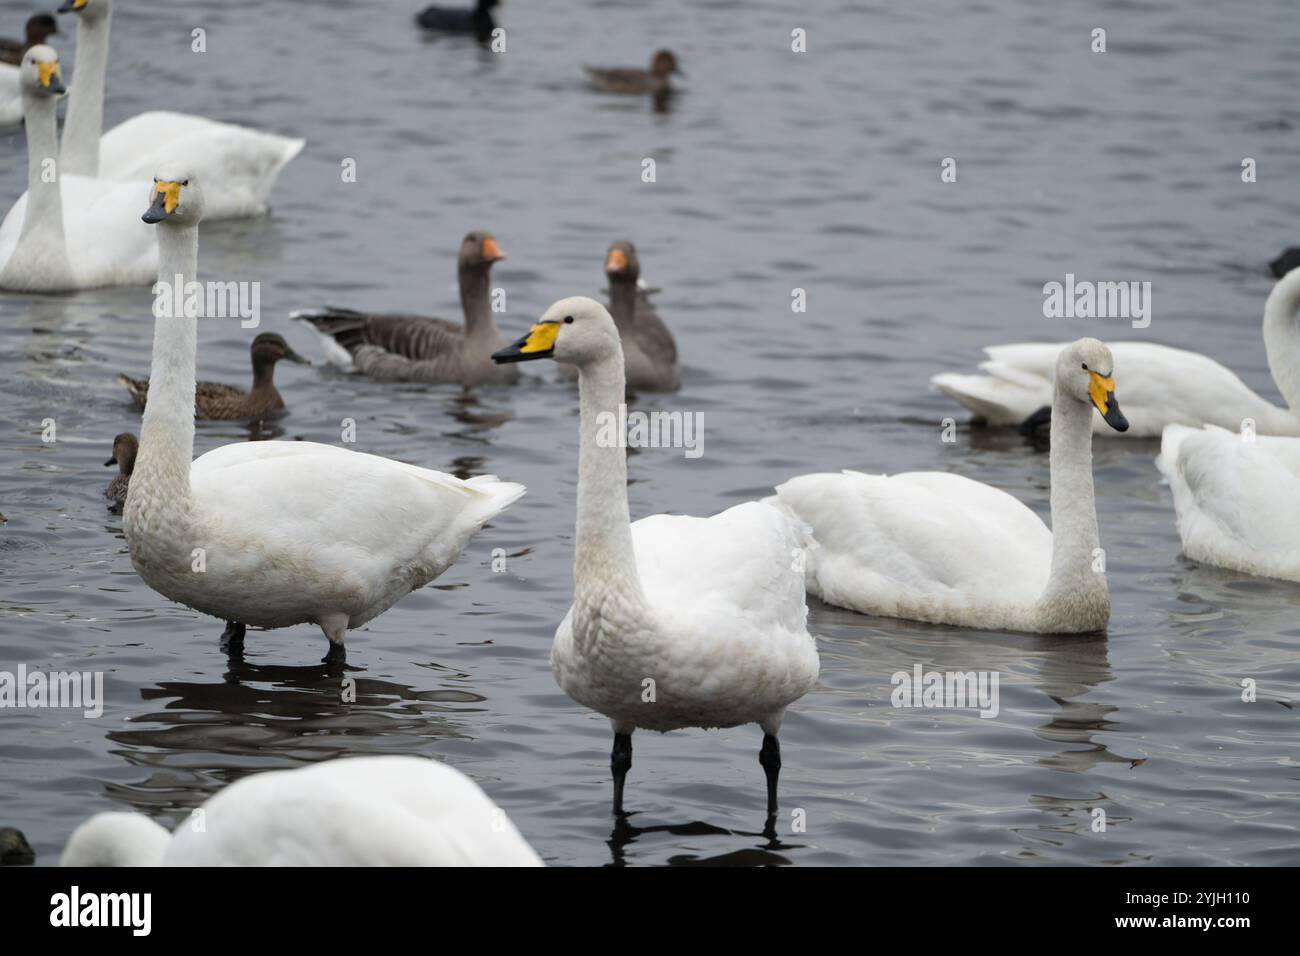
{"type": "Point", "coordinates": [1282, 340]}
{"type": "Point", "coordinates": [160, 483]}
{"type": "Point", "coordinates": [84, 123]}
{"type": "Point", "coordinates": [41, 251]}
{"type": "Point", "coordinates": [1076, 591]}
{"type": "Point", "coordinates": [606, 586]}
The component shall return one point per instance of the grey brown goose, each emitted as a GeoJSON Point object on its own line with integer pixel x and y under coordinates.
{"type": "Point", "coordinates": [39, 26]}
{"type": "Point", "coordinates": [421, 349]}
{"type": "Point", "coordinates": [213, 400]}
{"type": "Point", "coordinates": [125, 447]}
{"type": "Point", "coordinates": [649, 352]}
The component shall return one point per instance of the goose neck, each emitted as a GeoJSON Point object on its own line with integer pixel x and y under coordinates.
{"type": "Point", "coordinates": [84, 123]}
{"type": "Point", "coordinates": [476, 302]}
{"type": "Point", "coordinates": [622, 302]}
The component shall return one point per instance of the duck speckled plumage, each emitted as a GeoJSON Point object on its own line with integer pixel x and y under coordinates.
{"type": "Point", "coordinates": [215, 401]}
{"type": "Point", "coordinates": [420, 349]}
{"type": "Point", "coordinates": [125, 447]}
{"type": "Point", "coordinates": [649, 352]}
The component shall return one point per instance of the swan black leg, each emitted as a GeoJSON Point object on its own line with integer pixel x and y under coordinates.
{"type": "Point", "coordinates": [620, 762]}
{"type": "Point", "coordinates": [337, 654]}
{"type": "Point", "coordinates": [770, 757]}
{"type": "Point", "coordinates": [232, 638]}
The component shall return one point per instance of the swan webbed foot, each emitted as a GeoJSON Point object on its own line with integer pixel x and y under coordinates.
{"type": "Point", "coordinates": [620, 762]}
{"type": "Point", "coordinates": [337, 654]}
{"type": "Point", "coordinates": [770, 757]}
{"type": "Point", "coordinates": [232, 638]}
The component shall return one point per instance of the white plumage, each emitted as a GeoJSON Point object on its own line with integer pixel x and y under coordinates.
{"type": "Point", "coordinates": [1238, 501]}
{"type": "Point", "coordinates": [359, 811]}
{"type": "Point", "coordinates": [935, 547]}
{"type": "Point", "coordinates": [1162, 385]}
{"type": "Point", "coordinates": [239, 166]}
{"type": "Point", "coordinates": [84, 233]}
{"type": "Point", "coordinates": [271, 534]}
{"type": "Point", "coordinates": [676, 621]}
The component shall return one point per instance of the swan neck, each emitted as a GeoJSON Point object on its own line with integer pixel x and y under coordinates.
{"type": "Point", "coordinates": [162, 471]}
{"type": "Point", "coordinates": [476, 302]}
{"type": "Point", "coordinates": [604, 560]}
{"type": "Point", "coordinates": [44, 214]}
{"type": "Point", "coordinates": [1282, 338]}
{"type": "Point", "coordinates": [1075, 542]}
{"type": "Point", "coordinates": [85, 118]}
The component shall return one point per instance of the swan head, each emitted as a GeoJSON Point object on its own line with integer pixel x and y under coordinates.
{"type": "Point", "coordinates": [116, 839]}
{"type": "Point", "coordinates": [175, 196]}
{"type": "Point", "coordinates": [621, 263]}
{"type": "Point", "coordinates": [1085, 371]}
{"type": "Point", "coordinates": [87, 9]}
{"type": "Point", "coordinates": [577, 330]}
{"type": "Point", "coordinates": [125, 447]}
{"type": "Point", "coordinates": [39, 71]}
{"type": "Point", "coordinates": [478, 250]}
{"type": "Point", "coordinates": [270, 347]}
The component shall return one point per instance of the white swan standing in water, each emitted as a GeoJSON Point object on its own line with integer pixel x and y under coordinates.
{"type": "Point", "coordinates": [276, 533]}
{"type": "Point", "coordinates": [82, 233]}
{"type": "Point", "coordinates": [937, 547]}
{"type": "Point", "coordinates": [1162, 386]}
{"type": "Point", "coordinates": [239, 166]}
{"type": "Point", "coordinates": [355, 811]}
{"type": "Point", "coordinates": [1237, 498]}
{"type": "Point", "coordinates": [676, 621]}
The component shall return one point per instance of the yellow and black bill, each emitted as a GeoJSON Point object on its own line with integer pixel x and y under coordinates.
{"type": "Point", "coordinates": [537, 344]}
{"type": "Point", "coordinates": [70, 5]}
{"type": "Point", "coordinates": [1101, 389]}
{"type": "Point", "coordinates": [166, 197]}
{"type": "Point", "coordinates": [48, 75]}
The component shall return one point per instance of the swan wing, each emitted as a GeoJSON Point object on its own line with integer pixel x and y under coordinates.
{"type": "Point", "coordinates": [11, 96]}
{"type": "Point", "coordinates": [893, 544]}
{"type": "Point", "coordinates": [1157, 386]}
{"type": "Point", "coordinates": [360, 811]}
{"type": "Point", "coordinates": [238, 165]}
{"type": "Point", "coordinates": [1237, 501]}
{"type": "Point", "coordinates": [344, 502]}
{"type": "Point", "coordinates": [106, 240]}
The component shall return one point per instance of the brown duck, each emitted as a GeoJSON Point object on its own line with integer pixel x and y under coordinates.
{"type": "Point", "coordinates": [649, 352]}
{"type": "Point", "coordinates": [637, 82]}
{"type": "Point", "coordinates": [125, 447]}
{"type": "Point", "coordinates": [39, 26]}
{"type": "Point", "coordinates": [416, 348]}
{"type": "Point", "coordinates": [212, 400]}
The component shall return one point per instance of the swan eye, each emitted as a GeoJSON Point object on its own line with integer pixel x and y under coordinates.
{"type": "Point", "coordinates": [1085, 366]}
{"type": "Point", "coordinates": [187, 182]}
{"type": "Point", "coordinates": [568, 320]}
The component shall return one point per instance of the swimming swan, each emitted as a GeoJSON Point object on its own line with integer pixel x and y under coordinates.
{"type": "Point", "coordinates": [275, 533]}
{"type": "Point", "coordinates": [711, 610]}
{"type": "Point", "coordinates": [1162, 386]}
{"type": "Point", "coordinates": [1237, 498]}
{"type": "Point", "coordinates": [239, 166]}
{"type": "Point", "coordinates": [420, 349]}
{"type": "Point", "coordinates": [937, 547]}
{"type": "Point", "coordinates": [354, 811]}
{"type": "Point", "coordinates": [82, 233]}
